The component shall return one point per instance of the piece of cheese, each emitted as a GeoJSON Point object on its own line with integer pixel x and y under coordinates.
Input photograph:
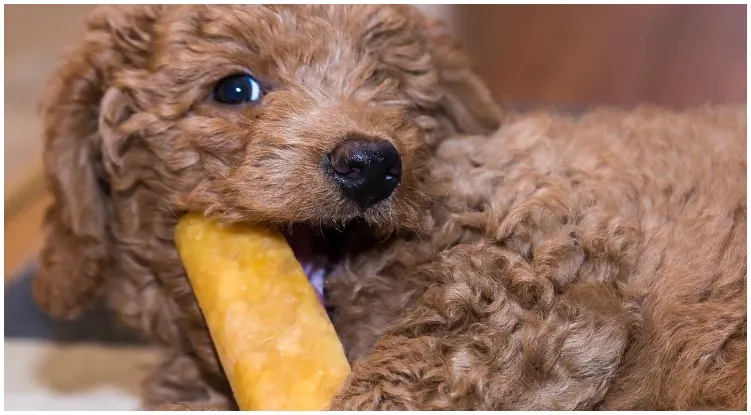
{"type": "Point", "coordinates": [273, 337]}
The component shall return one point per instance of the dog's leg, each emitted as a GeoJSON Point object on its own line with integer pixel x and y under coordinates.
{"type": "Point", "coordinates": [491, 334]}
{"type": "Point", "coordinates": [356, 297]}
{"type": "Point", "coordinates": [179, 383]}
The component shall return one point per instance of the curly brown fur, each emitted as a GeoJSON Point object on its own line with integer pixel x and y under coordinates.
{"type": "Point", "coordinates": [592, 263]}
{"type": "Point", "coordinates": [133, 140]}
{"type": "Point", "coordinates": [555, 264]}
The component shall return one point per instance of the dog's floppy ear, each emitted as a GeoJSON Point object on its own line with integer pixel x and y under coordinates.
{"type": "Point", "coordinates": [466, 99]}
{"type": "Point", "coordinates": [433, 71]}
{"type": "Point", "coordinates": [78, 100]}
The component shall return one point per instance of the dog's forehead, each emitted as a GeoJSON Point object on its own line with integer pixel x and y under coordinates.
{"type": "Point", "coordinates": [258, 26]}
{"type": "Point", "coordinates": [293, 44]}
{"type": "Point", "coordinates": [286, 20]}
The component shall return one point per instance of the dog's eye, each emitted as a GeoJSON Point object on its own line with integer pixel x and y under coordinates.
{"type": "Point", "coordinates": [237, 89]}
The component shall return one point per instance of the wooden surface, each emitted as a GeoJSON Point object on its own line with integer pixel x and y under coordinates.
{"type": "Point", "coordinates": [23, 236]}
{"type": "Point", "coordinates": [674, 55]}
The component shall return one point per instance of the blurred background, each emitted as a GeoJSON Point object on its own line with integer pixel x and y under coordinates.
{"type": "Point", "coordinates": [558, 56]}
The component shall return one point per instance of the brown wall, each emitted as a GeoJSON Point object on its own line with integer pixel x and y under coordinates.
{"type": "Point", "coordinates": [675, 55]}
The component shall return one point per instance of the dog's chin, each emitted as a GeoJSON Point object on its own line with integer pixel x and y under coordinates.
{"type": "Point", "coordinates": [320, 248]}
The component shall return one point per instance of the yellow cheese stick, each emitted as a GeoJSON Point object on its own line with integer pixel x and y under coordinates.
{"type": "Point", "coordinates": [274, 339]}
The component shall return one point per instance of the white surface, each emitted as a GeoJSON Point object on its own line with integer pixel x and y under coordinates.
{"type": "Point", "coordinates": [45, 376]}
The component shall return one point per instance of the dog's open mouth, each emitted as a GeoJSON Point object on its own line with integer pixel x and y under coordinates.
{"type": "Point", "coordinates": [321, 249]}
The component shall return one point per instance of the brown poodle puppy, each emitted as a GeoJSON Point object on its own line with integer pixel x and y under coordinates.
{"type": "Point", "coordinates": [555, 264]}
{"type": "Point", "coordinates": [316, 118]}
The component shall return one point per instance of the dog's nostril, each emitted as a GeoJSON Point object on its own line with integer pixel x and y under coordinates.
{"type": "Point", "coordinates": [367, 169]}
{"type": "Point", "coordinates": [344, 165]}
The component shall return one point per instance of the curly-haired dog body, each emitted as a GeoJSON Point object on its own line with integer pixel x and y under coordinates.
{"type": "Point", "coordinates": [582, 263]}
{"type": "Point", "coordinates": [554, 264]}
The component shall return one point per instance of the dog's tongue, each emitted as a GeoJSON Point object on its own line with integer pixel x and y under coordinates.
{"type": "Point", "coordinates": [303, 243]}
{"type": "Point", "coordinates": [315, 276]}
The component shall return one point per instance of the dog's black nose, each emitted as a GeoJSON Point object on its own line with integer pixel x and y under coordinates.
{"type": "Point", "coordinates": [367, 169]}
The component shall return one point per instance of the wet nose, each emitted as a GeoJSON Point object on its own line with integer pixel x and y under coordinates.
{"type": "Point", "coordinates": [367, 169]}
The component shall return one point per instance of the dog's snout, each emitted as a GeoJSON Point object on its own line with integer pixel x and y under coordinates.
{"type": "Point", "coordinates": [367, 169]}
